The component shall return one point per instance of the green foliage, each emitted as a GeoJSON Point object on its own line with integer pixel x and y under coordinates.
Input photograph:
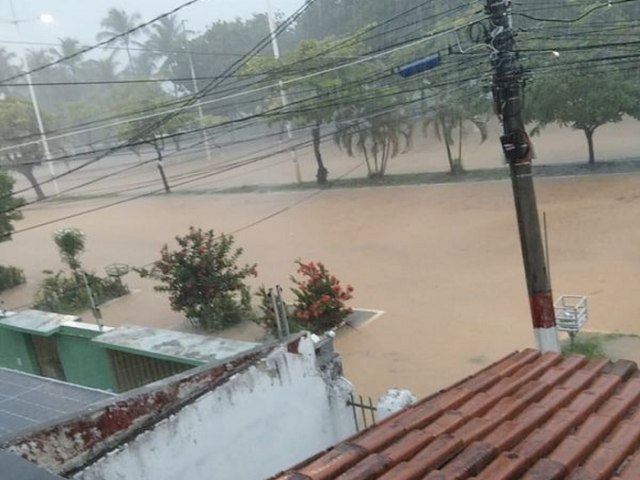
{"type": "Point", "coordinates": [149, 130]}
{"type": "Point", "coordinates": [266, 318]}
{"type": "Point", "coordinates": [451, 113]}
{"type": "Point", "coordinates": [204, 280]}
{"type": "Point", "coordinates": [317, 97]}
{"type": "Point", "coordinates": [10, 277]}
{"type": "Point", "coordinates": [17, 121]}
{"type": "Point", "coordinates": [378, 138]}
{"type": "Point", "coordinates": [583, 102]}
{"type": "Point", "coordinates": [70, 243]}
{"type": "Point", "coordinates": [320, 298]}
{"type": "Point", "coordinates": [62, 293]}
{"type": "Point", "coordinates": [9, 207]}
{"type": "Point", "coordinates": [67, 293]}
{"type": "Point", "coordinates": [588, 346]}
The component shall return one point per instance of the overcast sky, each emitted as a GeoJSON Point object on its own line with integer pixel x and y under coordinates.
{"type": "Point", "coordinates": [81, 18]}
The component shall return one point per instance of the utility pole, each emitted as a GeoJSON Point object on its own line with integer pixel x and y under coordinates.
{"type": "Point", "coordinates": [41, 131]}
{"type": "Point", "coordinates": [508, 85]}
{"type": "Point", "coordinates": [283, 95]}
{"type": "Point", "coordinates": [205, 135]}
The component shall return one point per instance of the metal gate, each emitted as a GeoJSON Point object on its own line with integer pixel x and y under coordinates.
{"type": "Point", "coordinates": [364, 413]}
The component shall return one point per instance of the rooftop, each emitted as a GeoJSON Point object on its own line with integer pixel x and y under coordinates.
{"type": "Point", "coordinates": [36, 321]}
{"type": "Point", "coordinates": [172, 345]}
{"type": "Point", "coordinates": [27, 400]}
{"type": "Point", "coordinates": [531, 415]}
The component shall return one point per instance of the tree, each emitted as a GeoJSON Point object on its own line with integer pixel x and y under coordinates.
{"type": "Point", "coordinates": [378, 137]}
{"type": "Point", "coordinates": [18, 125]}
{"type": "Point", "coordinates": [116, 23]}
{"type": "Point", "coordinates": [68, 47]}
{"type": "Point", "coordinates": [9, 207]}
{"type": "Point", "coordinates": [9, 213]}
{"type": "Point", "coordinates": [165, 40]}
{"type": "Point", "coordinates": [451, 113]}
{"type": "Point", "coordinates": [583, 102]}
{"type": "Point", "coordinates": [317, 98]}
{"type": "Point", "coordinates": [204, 280]}
{"type": "Point", "coordinates": [7, 68]}
{"type": "Point", "coordinates": [153, 130]}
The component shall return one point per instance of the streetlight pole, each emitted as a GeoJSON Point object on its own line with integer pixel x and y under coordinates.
{"type": "Point", "coordinates": [205, 135]}
{"type": "Point", "coordinates": [44, 18]}
{"type": "Point", "coordinates": [43, 135]}
{"type": "Point", "coordinates": [507, 95]}
{"type": "Point", "coordinates": [283, 95]}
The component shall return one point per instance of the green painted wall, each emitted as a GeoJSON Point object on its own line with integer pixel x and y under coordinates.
{"type": "Point", "coordinates": [84, 362]}
{"type": "Point", "coordinates": [16, 351]}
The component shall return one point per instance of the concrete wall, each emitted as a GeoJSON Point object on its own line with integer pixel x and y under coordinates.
{"type": "Point", "coordinates": [16, 352]}
{"type": "Point", "coordinates": [84, 362]}
{"type": "Point", "coordinates": [263, 420]}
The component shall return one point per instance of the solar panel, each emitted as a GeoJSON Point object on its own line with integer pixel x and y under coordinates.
{"type": "Point", "coordinates": [28, 400]}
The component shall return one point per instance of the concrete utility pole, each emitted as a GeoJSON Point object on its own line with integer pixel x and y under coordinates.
{"type": "Point", "coordinates": [194, 81]}
{"type": "Point", "coordinates": [283, 95]}
{"type": "Point", "coordinates": [507, 95]}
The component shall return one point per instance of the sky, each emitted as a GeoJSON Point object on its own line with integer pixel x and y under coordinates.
{"type": "Point", "coordinates": [81, 18]}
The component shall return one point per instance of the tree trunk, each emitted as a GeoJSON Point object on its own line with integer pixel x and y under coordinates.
{"type": "Point", "coordinates": [27, 171]}
{"type": "Point", "coordinates": [459, 164]}
{"type": "Point", "coordinates": [589, 134]}
{"type": "Point", "coordinates": [167, 189]}
{"type": "Point", "coordinates": [445, 138]}
{"type": "Point", "coordinates": [322, 174]}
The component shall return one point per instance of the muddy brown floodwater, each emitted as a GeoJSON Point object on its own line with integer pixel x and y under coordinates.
{"type": "Point", "coordinates": [442, 261]}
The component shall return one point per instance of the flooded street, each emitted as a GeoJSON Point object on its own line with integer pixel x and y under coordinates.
{"type": "Point", "coordinates": [442, 262]}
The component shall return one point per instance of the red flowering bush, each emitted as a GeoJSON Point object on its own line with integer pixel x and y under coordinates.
{"type": "Point", "coordinates": [320, 298]}
{"type": "Point", "coordinates": [203, 279]}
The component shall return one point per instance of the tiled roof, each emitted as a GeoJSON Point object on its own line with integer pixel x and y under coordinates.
{"type": "Point", "coordinates": [529, 416]}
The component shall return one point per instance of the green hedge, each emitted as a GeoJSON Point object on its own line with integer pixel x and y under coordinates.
{"type": "Point", "coordinates": [10, 277]}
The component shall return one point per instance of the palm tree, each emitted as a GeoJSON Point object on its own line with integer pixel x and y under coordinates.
{"type": "Point", "coordinates": [166, 38]}
{"type": "Point", "coordinates": [68, 47]}
{"type": "Point", "coordinates": [116, 23]}
{"type": "Point", "coordinates": [378, 138]}
{"type": "Point", "coordinates": [104, 69]}
{"type": "Point", "coordinates": [448, 116]}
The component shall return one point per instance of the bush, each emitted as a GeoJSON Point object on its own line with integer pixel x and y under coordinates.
{"type": "Point", "coordinates": [10, 277]}
{"type": "Point", "coordinates": [60, 293]}
{"type": "Point", "coordinates": [203, 279]}
{"type": "Point", "coordinates": [320, 299]}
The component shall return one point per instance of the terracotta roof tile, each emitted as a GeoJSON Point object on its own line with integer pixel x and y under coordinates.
{"type": "Point", "coordinates": [530, 415]}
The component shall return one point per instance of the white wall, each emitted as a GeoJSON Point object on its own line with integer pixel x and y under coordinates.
{"type": "Point", "coordinates": [262, 421]}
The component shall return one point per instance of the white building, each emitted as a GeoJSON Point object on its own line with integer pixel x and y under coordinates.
{"type": "Point", "coordinates": [248, 417]}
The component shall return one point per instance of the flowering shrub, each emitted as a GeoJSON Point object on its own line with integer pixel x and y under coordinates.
{"type": "Point", "coordinates": [320, 298]}
{"type": "Point", "coordinates": [203, 279]}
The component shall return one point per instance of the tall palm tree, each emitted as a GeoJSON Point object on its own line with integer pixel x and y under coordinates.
{"type": "Point", "coordinates": [118, 22]}
{"type": "Point", "coordinates": [7, 68]}
{"type": "Point", "coordinates": [68, 47]}
{"type": "Point", "coordinates": [166, 38]}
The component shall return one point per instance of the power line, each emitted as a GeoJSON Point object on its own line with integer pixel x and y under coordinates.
{"type": "Point", "coordinates": [84, 50]}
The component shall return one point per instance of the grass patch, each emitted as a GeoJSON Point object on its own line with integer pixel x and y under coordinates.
{"type": "Point", "coordinates": [592, 346]}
